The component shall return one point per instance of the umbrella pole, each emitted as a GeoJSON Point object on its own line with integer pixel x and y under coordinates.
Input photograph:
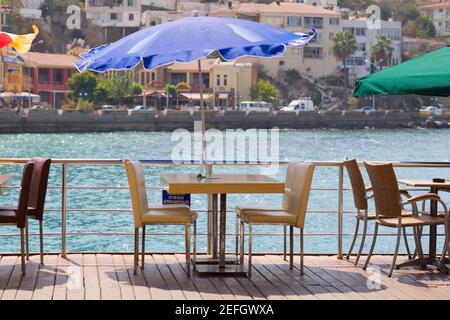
{"type": "Point", "coordinates": [202, 114]}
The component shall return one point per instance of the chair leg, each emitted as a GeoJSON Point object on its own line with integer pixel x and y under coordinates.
{"type": "Point", "coordinates": [241, 260]}
{"type": "Point", "coordinates": [22, 249]}
{"type": "Point", "coordinates": [397, 246]}
{"type": "Point", "coordinates": [237, 235]}
{"type": "Point", "coordinates": [27, 244]}
{"type": "Point", "coordinates": [285, 243]}
{"type": "Point", "coordinates": [363, 241]}
{"type": "Point", "coordinates": [372, 247]}
{"type": "Point", "coordinates": [249, 250]}
{"type": "Point", "coordinates": [195, 247]}
{"type": "Point", "coordinates": [301, 250]}
{"type": "Point", "coordinates": [188, 249]}
{"type": "Point", "coordinates": [417, 235]}
{"type": "Point", "coordinates": [41, 241]}
{"type": "Point", "coordinates": [143, 248]}
{"type": "Point", "coordinates": [355, 235]}
{"type": "Point", "coordinates": [136, 249]}
{"type": "Point", "coordinates": [291, 247]}
{"type": "Point", "coordinates": [405, 237]}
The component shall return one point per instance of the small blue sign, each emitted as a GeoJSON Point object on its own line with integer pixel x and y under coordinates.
{"type": "Point", "coordinates": [176, 198]}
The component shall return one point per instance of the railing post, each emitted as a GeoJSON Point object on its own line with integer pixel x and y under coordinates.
{"type": "Point", "coordinates": [340, 210]}
{"type": "Point", "coordinates": [64, 211]}
{"type": "Point", "coordinates": [209, 172]}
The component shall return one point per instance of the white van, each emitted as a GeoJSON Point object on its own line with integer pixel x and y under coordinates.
{"type": "Point", "coordinates": [255, 106]}
{"type": "Point", "coordinates": [299, 105]}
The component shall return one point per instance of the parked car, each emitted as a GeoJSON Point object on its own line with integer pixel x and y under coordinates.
{"type": "Point", "coordinates": [432, 109]}
{"type": "Point", "coordinates": [142, 108]}
{"type": "Point", "coordinates": [108, 107]}
{"type": "Point", "coordinates": [38, 107]}
{"type": "Point", "coordinates": [255, 106]}
{"type": "Point", "coordinates": [299, 105]}
{"type": "Point", "coordinates": [366, 109]}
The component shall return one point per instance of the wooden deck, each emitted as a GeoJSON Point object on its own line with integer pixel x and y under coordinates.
{"type": "Point", "coordinates": [106, 276]}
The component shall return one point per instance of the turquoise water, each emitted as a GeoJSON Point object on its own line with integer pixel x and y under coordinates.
{"type": "Point", "coordinates": [395, 145]}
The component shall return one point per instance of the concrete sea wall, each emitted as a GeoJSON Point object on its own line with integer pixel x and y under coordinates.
{"type": "Point", "coordinates": [49, 121]}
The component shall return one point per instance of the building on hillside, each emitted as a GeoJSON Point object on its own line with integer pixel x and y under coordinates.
{"type": "Point", "coordinates": [316, 59]}
{"type": "Point", "coordinates": [117, 17]}
{"type": "Point", "coordinates": [220, 80]}
{"type": "Point", "coordinates": [439, 13]}
{"type": "Point", "coordinates": [31, 9]}
{"type": "Point", "coordinates": [359, 63]}
{"type": "Point", "coordinates": [44, 74]}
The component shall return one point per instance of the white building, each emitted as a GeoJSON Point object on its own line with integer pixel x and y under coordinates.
{"type": "Point", "coordinates": [115, 14]}
{"type": "Point", "coordinates": [31, 9]}
{"type": "Point", "coordinates": [359, 63]}
{"type": "Point", "coordinates": [439, 13]}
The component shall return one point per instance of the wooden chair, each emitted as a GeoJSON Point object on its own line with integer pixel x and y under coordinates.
{"type": "Point", "coordinates": [288, 183]}
{"type": "Point", "coordinates": [294, 206]}
{"type": "Point", "coordinates": [18, 215]}
{"type": "Point", "coordinates": [156, 215]}
{"type": "Point", "coordinates": [388, 209]}
{"type": "Point", "coordinates": [360, 200]}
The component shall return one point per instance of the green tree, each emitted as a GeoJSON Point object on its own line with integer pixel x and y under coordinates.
{"type": "Point", "coordinates": [425, 28]}
{"type": "Point", "coordinates": [266, 91]}
{"type": "Point", "coordinates": [344, 46]}
{"type": "Point", "coordinates": [171, 89]}
{"type": "Point", "coordinates": [120, 88]}
{"type": "Point", "coordinates": [382, 50]}
{"type": "Point", "coordinates": [103, 91]}
{"type": "Point", "coordinates": [136, 89]}
{"type": "Point", "coordinates": [82, 86]}
{"type": "Point", "coordinates": [408, 12]}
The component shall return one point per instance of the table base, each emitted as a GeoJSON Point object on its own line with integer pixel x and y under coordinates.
{"type": "Point", "coordinates": [210, 260]}
{"type": "Point", "coordinates": [425, 262]}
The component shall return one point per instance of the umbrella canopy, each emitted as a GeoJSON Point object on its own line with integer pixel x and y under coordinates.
{"type": "Point", "coordinates": [428, 75]}
{"type": "Point", "coordinates": [190, 39]}
{"type": "Point", "coordinates": [21, 43]}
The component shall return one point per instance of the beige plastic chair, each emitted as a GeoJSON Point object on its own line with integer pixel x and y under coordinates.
{"type": "Point", "coordinates": [388, 207]}
{"type": "Point", "coordinates": [239, 209]}
{"type": "Point", "coordinates": [360, 197]}
{"type": "Point", "coordinates": [156, 215]}
{"type": "Point", "coordinates": [294, 206]}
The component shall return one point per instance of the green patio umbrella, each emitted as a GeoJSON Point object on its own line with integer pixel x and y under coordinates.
{"type": "Point", "coordinates": [427, 75]}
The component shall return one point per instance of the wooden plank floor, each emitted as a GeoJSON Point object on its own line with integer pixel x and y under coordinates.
{"type": "Point", "coordinates": [110, 277]}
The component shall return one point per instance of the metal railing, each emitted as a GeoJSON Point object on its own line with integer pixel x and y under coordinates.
{"type": "Point", "coordinates": [64, 187]}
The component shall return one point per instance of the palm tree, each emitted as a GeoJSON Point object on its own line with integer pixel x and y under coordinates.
{"type": "Point", "coordinates": [382, 50]}
{"type": "Point", "coordinates": [344, 46]}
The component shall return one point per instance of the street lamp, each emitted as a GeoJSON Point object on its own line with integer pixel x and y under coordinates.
{"type": "Point", "coordinates": [29, 72]}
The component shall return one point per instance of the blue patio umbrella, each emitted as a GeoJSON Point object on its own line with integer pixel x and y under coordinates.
{"type": "Point", "coordinates": [190, 39]}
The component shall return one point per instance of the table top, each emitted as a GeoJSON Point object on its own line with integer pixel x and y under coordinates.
{"type": "Point", "coordinates": [221, 183]}
{"type": "Point", "coordinates": [426, 183]}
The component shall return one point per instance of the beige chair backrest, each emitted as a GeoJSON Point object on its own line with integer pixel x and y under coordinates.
{"type": "Point", "coordinates": [358, 185]}
{"type": "Point", "coordinates": [136, 182]}
{"type": "Point", "coordinates": [288, 183]}
{"type": "Point", "coordinates": [385, 190]}
{"type": "Point", "coordinates": [297, 196]}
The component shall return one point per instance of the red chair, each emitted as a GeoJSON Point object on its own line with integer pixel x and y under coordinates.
{"type": "Point", "coordinates": [18, 216]}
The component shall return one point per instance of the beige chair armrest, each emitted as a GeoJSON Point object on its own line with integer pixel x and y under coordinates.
{"type": "Point", "coordinates": [423, 197]}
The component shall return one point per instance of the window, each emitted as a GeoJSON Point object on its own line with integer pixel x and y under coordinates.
{"type": "Point", "coordinates": [317, 38]}
{"type": "Point", "coordinates": [117, 3]}
{"type": "Point", "coordinates": [131, 17]}
{"type": "Point", "coordinates": [360, 31]}
{"type": "Point", "coordinates": [430, 14]}
{"type": "Point", "coordinates": [315, 22]}
{"type": "Point", "coordinates": [393, 34]}
{"type": "Point", "coordinates": [334, 21]}
{"type": "Point", "coordinates": [312, 53]}
{"type": "Point", "coordinates": [218, 80]}
{"type": "Point", "coordinates": [225, 80]}
{"type": "Point", "coordinates": [281, 63]}
{"type": "Point", "coordinates": [131, 3]}
{"type": "Point", "coordinates": [113, 16]}
{"type": "Point", "coordinates": [293, 21]}
{"type": "Point", "coordinates": [178, 77]}
{"type": "Point", "coordinates": [43, 75]}
{"type": "Point", "coordinates": [58, 76]}
{"type": "Point", "coordinates": [331, 36]}
{"type": "Point", "coordinates": [355, 61]}
{"type": "Point", "coordinates": [196, 82]}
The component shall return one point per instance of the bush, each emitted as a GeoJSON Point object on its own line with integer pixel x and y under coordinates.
{"type": "Point", "coordinates": [85, 106]}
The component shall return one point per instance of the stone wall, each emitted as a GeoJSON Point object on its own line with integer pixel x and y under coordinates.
{"type": "Point", "coordinates": [49, 121]}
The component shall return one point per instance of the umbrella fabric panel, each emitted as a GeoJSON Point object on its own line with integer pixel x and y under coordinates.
{"type": "Point", "coordinates": [190, 39]}
{"type": "Point", "coordinates": [428, 74]}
